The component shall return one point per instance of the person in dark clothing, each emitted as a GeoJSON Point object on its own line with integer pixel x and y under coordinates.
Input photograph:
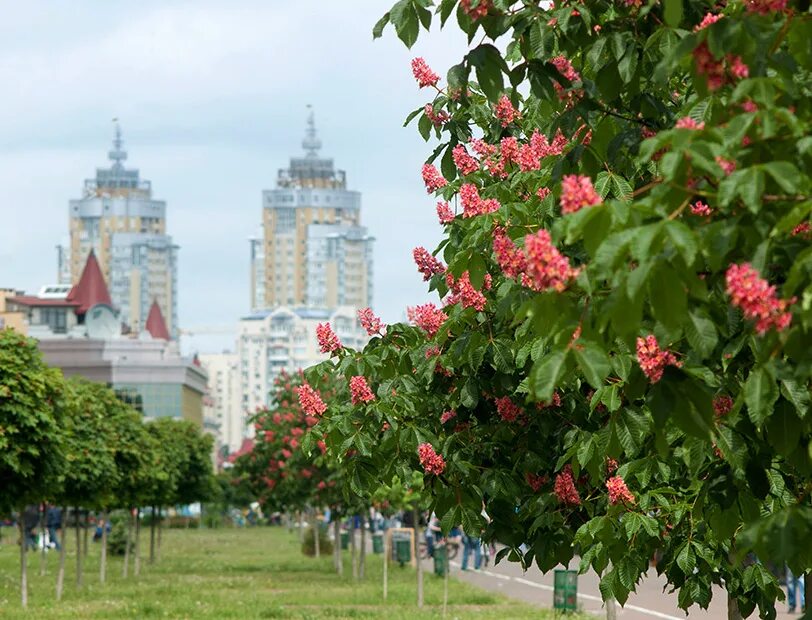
{"type": "Point", "coordinates": [53, 521]}
{"type": "Point", "coordinates": [30, 522]}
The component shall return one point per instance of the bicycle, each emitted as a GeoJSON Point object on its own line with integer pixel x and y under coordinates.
{"type": "Point", "coordinates": [452, 546]}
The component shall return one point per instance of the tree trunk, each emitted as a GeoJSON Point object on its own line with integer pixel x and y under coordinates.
{"type": "Point", "coordinates": [85, 534]}
{"type": "Point", "coordinates": [43, 560]}
{"type": "Point", "coordinates": [386, 552]}
{"type": "Point", "coordinates": [353, 550]}
{"type": "Point", "coordinates": [611, 609]}
{"type": "Point", "coordinates": [807, 589]}
{"type": "Point", "coordinates": [160, 530]}
{"type": "Point", "coordinates": [103, 559]}
{"type": "Point", "coordinates": [78, 550]}
{"type": "Point", "coordinates": [733, 612]}
{"type": "Point", "coordinates": [416, 522]}
{"type": "Point", "coordinates": [339, 558]}
{"type": "Point", "coordinates": [137, 560]}
{"type": "Point", "coordinates": [362, 555]}
{"type": "Point", "coordinates": [127, 543]}
{"type": "Point", "coordinates": [445, 582]}
{"type": "Point", "coordinates": [301, 526]}
{"type": "Point", "coordinates": [316, 534]}
{"type": "Point", "coordinates": [23, 561]}
{"type": "Point", "coordinates": [152, 538]}
{"type": "Point", "coordinates": [60, 576]}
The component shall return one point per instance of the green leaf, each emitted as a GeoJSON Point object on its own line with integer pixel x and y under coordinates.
{"type": "Point", "coordinates": [760, 394]}
{"type": "Point", "coordinates": [683, 239]}
{"type": "Point", "coordinates": [488, 63]}
{"type": "Point", "coordinates": [593, 362]}
{"type": "Point", "coordinates": [424, 127]}
{"type": "Point", "coordinates": [446, 8]}
{"type": "Point", "coordinates": [377, 29]}
{"type": "Point", "coordinates": [477, 270]}
{"type": "Point", "coordinates": [469, 395]}
{"type": "Point", "coordinates": [782, 428]}
{"type": "Point", "coordinates": [404, 18]}
{"type": "Point", "coordinates": [785, 174]}
{"type": "Point", "coordinates": [673, 12]}
{"type": "Point", "coordinates": [547, 373]}
{"type": "Point", "coordinates": [502, 356]}
{"type": "Point", "coordinates": [668, 298]}
{"type": "Point", "coordinates": [628, 64]}
{"type": "Point", "coordinates": [701, 333]}
{"type": "Point", "coordinates": [686, 559]}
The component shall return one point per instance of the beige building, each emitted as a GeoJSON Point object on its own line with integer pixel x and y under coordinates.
{"type": "Point", "coordinates": [118, 219]}
{"type": "Point", "coordinates": [12, 317]}
{"type": "Point", "coordinates": [313, 251]}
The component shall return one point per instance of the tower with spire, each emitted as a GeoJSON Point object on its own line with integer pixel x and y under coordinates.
{"type": "Point", "coordinates": [118, 220]}
{"type": "Point", "coordinates": [313, 251]}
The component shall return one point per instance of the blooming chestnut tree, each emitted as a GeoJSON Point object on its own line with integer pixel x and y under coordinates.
{"type": "Point", "coordinates": [619, 360]}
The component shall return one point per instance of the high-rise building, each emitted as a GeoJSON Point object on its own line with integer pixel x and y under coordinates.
{"type": "Point", "coordinates": [120, 221]}
{"type": "Point", "coordinates": [315, 252]}
{"type": "Point", "coordinates": [224, 393]}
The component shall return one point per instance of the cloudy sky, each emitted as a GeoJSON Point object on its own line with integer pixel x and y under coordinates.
{"type": "Point", "coordinates": [212, 99]}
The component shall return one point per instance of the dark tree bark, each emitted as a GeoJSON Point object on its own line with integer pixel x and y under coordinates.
{"type": "Point", "coordinates": [126, 569]}
{"type": "Point", "coordinates": [152, 538]}
{"type": "Point", "coordinates": [23, 561]}
{"type": "Point", "coordinates": [137, 560]}
{"type": "Point", "coordinates": [60, 577]}
{"type": "Point", "coordinates": [103, 559]}
{"type": "Point", "coordinates": [416, 522]}
{"type": "Point", "coordinates": [79, 554]}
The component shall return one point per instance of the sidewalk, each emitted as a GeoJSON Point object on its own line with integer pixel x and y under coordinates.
{"type": "Point", "coordinates": [650, 601]}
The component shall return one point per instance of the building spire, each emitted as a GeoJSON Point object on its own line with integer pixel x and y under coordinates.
{"type": "Point", "coordinates": [311, 142]}
{"type": "Point", "coordinates": [118, 154]}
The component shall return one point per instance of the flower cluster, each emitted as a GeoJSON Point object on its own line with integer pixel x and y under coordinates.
{"type": "Point", "coordinates": [328, 341]}
{"type": "Point", "coordinates": [360, 391]}
{"type": "Point", "coordinates": [701, 209]}
{"type": "Point", "coordinates": [535, 481]}
{"type": "Point", "coordinates": [611, 465]}
{"type": "Point", "coordinates": [426, 263]}
{"type": "Point", "coordinates": [564, 488]}
{"type": "Point", "coordinates": [511, 259]}
{"type": "Point", "coordinates": [686, 122]}
{"type": "Point", "coordinates": [448, 415]}
{"type": "Point", "coordinates": [546, 267]}
{"type": "Point", "coordinates": [310, 400]}
{"type": "Point", "coordinates": [437, 118]}
{"type": "Point", "coordinates": [371, 323]}
{"type": "Point", "coordinates": [802, 230]}
{"type": "Point", "coordinates": [718, 72]}
{"type": "Point", "coordinates": [464, 162]}
{"type": "Point", "coordinates": [757, 298]}
{"type": "Point", "coordinates": [577, 192]}
{"type": "Point", "coordinates": [505, 112]}
{"type": "Point", "coordinates": [473, 204]}
{"type": "Point", "coordinates": [432, 178]}
{"type": "Point", "coordinates": [709, 19]}
{"type": "Point", "coordinates": [728, 166]}
{"type": "Point", "coordinates": [432, 462]}
{"type": "Point", "coordinates": [764, 7]}
{"type": "Point", "coordinates": [423, 73]}
{"type": "Point", "coordinates": [427, 317]}
{"type": "Point", "coordinates": [507, 409]}
{"type": "Point", "coordinates": [444, 213]}
{"type": "Point", "coordinates": [475, 12]}
{"type": "Point", "coordinates": [618, 491]}
{"type": "Point", "coordinates": [462, 291]}
{"type": "Point", "coordinates": [652, 360]}
{"type": "Point", "coordinates": [722, 405]}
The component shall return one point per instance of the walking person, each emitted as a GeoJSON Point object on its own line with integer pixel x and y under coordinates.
{"type": "Point", "coordinates": [30, 519]}
{"type": "Point", "coordinates": [53, 521]}
{"type": "Point", "coordinates": [795, 591]}
{"type": "Point", "coordinates": [471, 543]}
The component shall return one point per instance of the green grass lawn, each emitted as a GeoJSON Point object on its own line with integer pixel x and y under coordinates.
{"type": "Point", "coordinates": [230, 573]}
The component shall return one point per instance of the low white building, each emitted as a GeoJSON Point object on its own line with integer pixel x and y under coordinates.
{"type": "Point", "coordinates": [284, 339]}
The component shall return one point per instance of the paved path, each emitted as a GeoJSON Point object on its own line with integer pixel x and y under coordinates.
{"type": "Point", "coordinates": [649, 602]}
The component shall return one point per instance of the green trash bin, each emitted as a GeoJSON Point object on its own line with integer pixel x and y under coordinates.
{"type": "Point", "coordinates": [377, 543]}
{"type": "Point", "coordinates": [403, 551]}
{"type": "Point", "coordinates": [565, 594]}
{"type": "Point", "coordinates": [345, 541]}
{"type": "Point", "coordinates": [440, 561]}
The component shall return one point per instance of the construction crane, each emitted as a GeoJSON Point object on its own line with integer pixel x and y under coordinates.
{"type": "Point", "coordinates": [208, 329]}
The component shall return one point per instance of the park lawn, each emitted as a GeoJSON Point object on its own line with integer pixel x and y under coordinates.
{"type": "Point", "coordinates": [237, 573]}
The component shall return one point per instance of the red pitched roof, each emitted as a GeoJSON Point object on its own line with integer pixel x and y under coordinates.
{"type": "Point", "coordinates": [156, 326]}
{"type": "Point", "coordinates": [91, 288]}
{"type": "Point", "coordinates": [31, 300]}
